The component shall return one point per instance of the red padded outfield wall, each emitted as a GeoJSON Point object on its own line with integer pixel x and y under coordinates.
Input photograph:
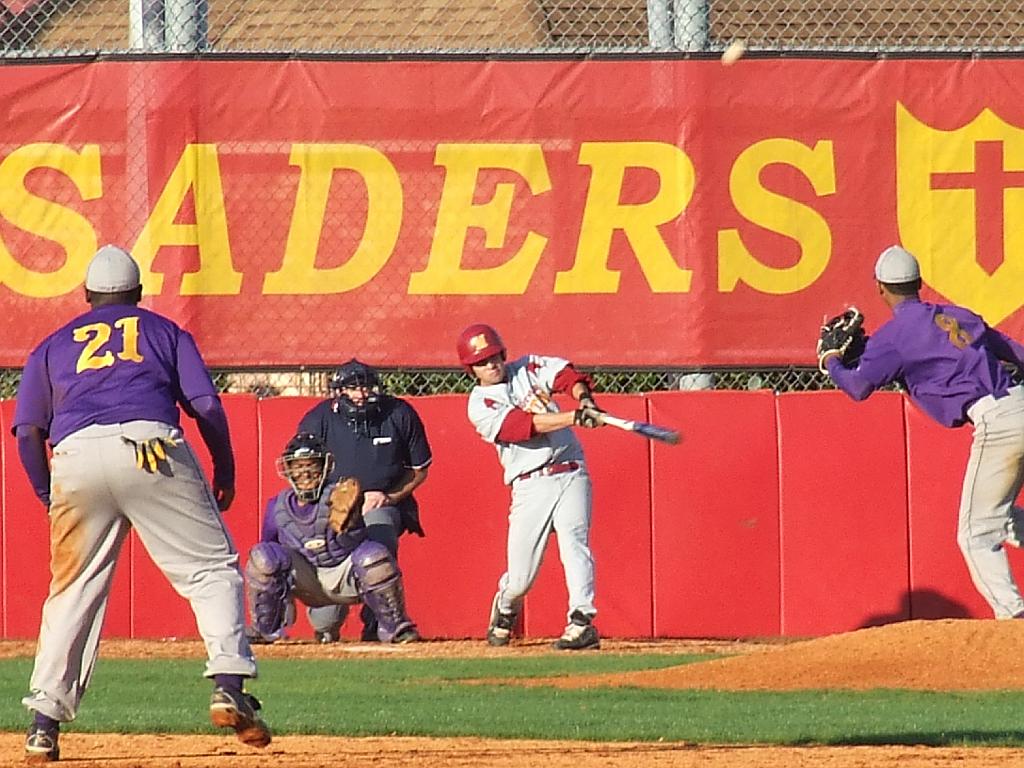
{"type": "Point", "coordinates": [715, 521]}
{"type": "Point", "coordinates": [843, 511]}
{"type": "Point", "coordinates": [752, 526]}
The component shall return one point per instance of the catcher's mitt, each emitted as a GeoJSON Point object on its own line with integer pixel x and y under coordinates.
{"type": "Point", "coordinates": [345, 503]}
{"type": "Point", "coordinates": [843, 336]}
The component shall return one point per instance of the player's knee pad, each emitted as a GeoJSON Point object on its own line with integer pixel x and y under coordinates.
{"type": "Point", "coordinates": [268, 559]}
{"type": "Point", "coordinates": [373, 565]}
{"type": "Point", "coordinates": [269, 585]}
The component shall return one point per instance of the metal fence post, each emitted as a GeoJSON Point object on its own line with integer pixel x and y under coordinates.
{"type": "Point", "coordinates": [146, 25]}
{"type": "Point", "coordinates": [690, 24]}
{"type": "Point", "coordinates": [186, 25]}
{"type": "Point", "coordinates": [659, 24]}
{"type": "Point", "coordinates": [680, 25]}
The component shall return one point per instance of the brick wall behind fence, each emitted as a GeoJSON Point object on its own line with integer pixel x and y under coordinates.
{"type": "Point", "coordinates": [797, 514]}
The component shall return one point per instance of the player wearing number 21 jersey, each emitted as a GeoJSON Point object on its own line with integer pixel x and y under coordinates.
{"type": "Point", "coordinates": [104, 391]}
{"type": "Point", "coordinates": [952, 365]}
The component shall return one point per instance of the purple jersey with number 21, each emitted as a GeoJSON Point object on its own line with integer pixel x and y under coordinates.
{"type": "Point", "coordinates": [114, 364]}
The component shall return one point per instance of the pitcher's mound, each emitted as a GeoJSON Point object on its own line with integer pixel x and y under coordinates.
{"type": "Point", "coordinates": [944, 655]}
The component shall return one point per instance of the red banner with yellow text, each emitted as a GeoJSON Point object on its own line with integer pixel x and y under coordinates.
{"type": "Point", "coordinates": [633, 213]}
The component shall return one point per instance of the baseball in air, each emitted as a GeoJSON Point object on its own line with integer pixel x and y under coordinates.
{"type": "Point", "coordinates": [734, 52]}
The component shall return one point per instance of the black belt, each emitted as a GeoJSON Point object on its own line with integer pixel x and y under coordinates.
{"type": "Point", "coordinates": [550, 469]}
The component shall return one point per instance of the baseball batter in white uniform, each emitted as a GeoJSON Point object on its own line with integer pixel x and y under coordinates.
{"type": "Point", "coordinates": [512, 407]}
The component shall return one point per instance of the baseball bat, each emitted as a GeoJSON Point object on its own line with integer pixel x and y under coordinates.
{"type": "Point", "coordinates": [650, 431]}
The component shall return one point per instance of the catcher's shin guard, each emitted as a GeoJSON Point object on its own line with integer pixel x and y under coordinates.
{"type": "Point", "coordinates": [380, 587]}
{"type": "Point", "coordinates": [268, 580]}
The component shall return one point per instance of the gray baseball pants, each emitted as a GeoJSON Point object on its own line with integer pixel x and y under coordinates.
{"type": "Point", "coordinates": [97, 495]}
{"type": "Point", "coordinates": [994, 477]}
{"type": "Point", "coordinates": [540, 505]}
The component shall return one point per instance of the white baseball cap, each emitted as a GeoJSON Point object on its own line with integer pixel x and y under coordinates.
{"type": "Point", "coordinates": [897, 265]}
{"type": "Point", "coordinates": [112, 270]}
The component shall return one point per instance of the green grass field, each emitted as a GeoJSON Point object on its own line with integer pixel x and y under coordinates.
{"type": "Point", "coordinates": [425, 697]}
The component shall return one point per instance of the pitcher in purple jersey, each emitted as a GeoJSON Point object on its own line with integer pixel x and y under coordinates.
{"type": "Point", "coordinates": [104, 391]}
{"type": "Point", "coordinates": [953, 366]}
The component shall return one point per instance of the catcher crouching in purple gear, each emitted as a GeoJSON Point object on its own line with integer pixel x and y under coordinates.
{"type": "Point", "coordinates": [314, 547]}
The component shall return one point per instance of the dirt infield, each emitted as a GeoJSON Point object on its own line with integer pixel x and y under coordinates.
{"type": "Point", "coordinates": [306, 649]}
{"type": "Point", "coordinates": [90, 751]}
{"type": "Point", "coordinates": [947, 655]}
{"type": "Point", "coordinates": [938, 655]}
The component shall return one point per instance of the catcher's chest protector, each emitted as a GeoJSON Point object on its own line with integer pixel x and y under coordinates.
{"type": "Point", "coordinates": [309, 538]}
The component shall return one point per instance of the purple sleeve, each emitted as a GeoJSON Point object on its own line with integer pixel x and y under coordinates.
{"type": "Point", "coordinates": [269, 530]}
{"type": "Point", "coordinates": [34, 405]}
{"type": "Point", "coordinates": [32, 452]}
{"type": "Point", "coordinates": [880, 364]}
{"type": "Point", "coordinates": [213, 426]}
{"type": "Point", "coordinates": [193, 377]}
{"type": "Point", "coordinates": [1005, 348]}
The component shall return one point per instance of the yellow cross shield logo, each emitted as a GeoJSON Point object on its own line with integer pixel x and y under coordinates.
{"type": "Point", "coordinates": [960, 201]}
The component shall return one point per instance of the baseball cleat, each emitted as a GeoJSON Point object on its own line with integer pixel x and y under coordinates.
{"type": "Point", "coordinates": [409, 635]}
{"type": "Point", "coordinates": [254, 637]}
{"type": "Point", "coordinates": [42, 746]}
{"type": "Point", "coordinates": [237, 710]}
{"type": "Point", "coordinates": [499, 629]}
{"type": "Point", "coordinates": [580, 635]}
{"type": "Point", "coordinates": [498, 636]}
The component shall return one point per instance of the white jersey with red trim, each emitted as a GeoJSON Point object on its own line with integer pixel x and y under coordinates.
{"type": "Point", "coordinates": [528, 387]}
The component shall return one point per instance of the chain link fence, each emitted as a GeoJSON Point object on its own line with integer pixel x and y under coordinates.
{"type": "Point", "coordinates": [441, 381]}
{"type": "Point", "coordinates": [438, 381]}
{"type": "Point", "coordinates": [413, 382]}
{"type": "Point", "coordinates": [75, 27]}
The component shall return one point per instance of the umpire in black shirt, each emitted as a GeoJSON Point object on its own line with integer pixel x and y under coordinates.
{"type": "Point", "coordinates": [380, 440]}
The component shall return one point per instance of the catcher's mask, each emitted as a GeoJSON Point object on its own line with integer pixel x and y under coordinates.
{"type": "Point", "coordinates": [305, 464]}
{"type": "Point", "coordinates": [364, 382]}
{"type": "Point", "coordinates": [477, 343]}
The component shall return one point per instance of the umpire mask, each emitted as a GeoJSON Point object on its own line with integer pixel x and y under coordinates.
{"type": "Point", "coordinates": [357, 394]}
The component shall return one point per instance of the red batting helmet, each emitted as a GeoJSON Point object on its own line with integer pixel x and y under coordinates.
{"type": "Point", "coordinates": [478, 342]}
